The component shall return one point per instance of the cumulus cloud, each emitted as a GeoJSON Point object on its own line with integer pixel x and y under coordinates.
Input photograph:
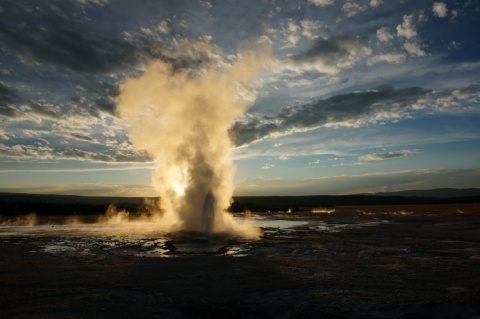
{"type": "Point", "coordinates": [387, 156]}
{"type": "Point", "coordinates": [321, 3]}
{"type": "Point", "coordinates": [351, 8]}
{"type": "Point", "coordinates": [407, 29]}
{"type": "Point", "coordinates": [329, 55]}
{"type": "Point", "coordinates": [413, 48]}
{"type": "Point", "coordinates": [440, 9]}
{"type": "Point", "coordinates": [384, 35]}
{"type": "Point", "coordinates": [376, 3]}
{"type": "Point", "coordinates": [310, 28]}
{"type": "Point", "coordinates": [292, 33]}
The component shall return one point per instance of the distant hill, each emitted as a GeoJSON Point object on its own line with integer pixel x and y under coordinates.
{"type": "Point", "coordinates": [435, 193]}
{"type": "Point", "coordinates": [68, 199]}
{"type": "Point", "coordinates": [282, 203]}
{"type": "Point", "coordinates": [17, 204]}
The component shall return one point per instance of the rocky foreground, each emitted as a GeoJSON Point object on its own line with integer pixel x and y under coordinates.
{"type": "Point", "coordinates": [368, 264]}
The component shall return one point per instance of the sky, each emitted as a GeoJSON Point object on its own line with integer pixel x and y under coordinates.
{"type": "Point", "coordinates": [357, 96]}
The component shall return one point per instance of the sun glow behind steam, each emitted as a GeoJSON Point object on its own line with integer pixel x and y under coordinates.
{"type": "Point", "coordinates": [181, 116]}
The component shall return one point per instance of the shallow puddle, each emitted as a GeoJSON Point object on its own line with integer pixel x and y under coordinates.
{"type": "Point", "coordinates": [268, 222]}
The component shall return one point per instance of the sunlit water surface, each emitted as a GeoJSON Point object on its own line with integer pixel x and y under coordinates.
{"type": "Point", "coordinates": [143, 239]}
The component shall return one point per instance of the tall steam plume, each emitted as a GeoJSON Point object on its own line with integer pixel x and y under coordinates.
{"type": "Point", "coordinates": [181, 117]}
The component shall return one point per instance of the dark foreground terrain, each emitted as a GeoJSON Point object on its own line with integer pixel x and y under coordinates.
{"type": "Point", "coordinates": [417, 262]}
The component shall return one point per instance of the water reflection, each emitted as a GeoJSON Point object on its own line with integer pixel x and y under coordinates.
{"type": "Point", "coordinates": [144, 239]}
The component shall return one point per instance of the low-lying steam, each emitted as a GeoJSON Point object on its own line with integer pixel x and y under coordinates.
{"type": "Point", "coordinates": [181, 117]}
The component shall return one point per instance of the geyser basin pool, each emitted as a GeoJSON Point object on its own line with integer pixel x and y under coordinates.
{"type": "Point", "coordinates": [143, 239]}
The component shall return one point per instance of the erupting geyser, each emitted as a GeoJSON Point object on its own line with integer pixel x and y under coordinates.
{"type": "Point", "coordinates": [208, 213]}
{"type": "Point", "coordinates": [180, 111]}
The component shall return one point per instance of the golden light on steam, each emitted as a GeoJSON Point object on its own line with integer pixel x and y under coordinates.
{"type": "Point", "coordinates": [181, 117]}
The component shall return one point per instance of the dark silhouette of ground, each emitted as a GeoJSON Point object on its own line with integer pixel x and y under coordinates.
{"type": "Point", "coordinates": [423, 264]}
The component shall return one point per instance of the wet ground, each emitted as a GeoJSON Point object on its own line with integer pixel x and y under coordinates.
{"type": "Point", "coordinates": [355, 263]}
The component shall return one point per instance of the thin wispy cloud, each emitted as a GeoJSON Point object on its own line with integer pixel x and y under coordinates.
{"type": "Point", "coordinates": [76, 170]}
{"type": "Point", "coordinates": [351, 110]}
{"type": "Point", "coordinates": [387, 155]}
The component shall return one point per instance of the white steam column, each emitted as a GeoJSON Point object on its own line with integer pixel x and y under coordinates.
{"type": "Point", "coordinates": [208, 213]}
{"type": "Point", "coordinates": [181, 118]}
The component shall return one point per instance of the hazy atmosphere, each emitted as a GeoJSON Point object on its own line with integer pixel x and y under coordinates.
{"type": "Point", "coordinates": [317, 96]}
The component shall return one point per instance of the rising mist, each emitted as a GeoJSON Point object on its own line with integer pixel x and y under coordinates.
{"type": "Point", "coordinates": [180, 113]}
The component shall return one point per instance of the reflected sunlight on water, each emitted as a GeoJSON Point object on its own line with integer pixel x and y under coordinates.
{"type": "Point", "coordinates": [147, 239]}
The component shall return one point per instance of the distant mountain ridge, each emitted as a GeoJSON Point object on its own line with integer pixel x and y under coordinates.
{"type": "Point", "coordinates": [440, 193]}
{"type": "Point", "coordinates": [435, 193]}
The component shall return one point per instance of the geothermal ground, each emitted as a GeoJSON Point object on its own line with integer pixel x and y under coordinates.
{"type": "Point", "coordinates": [355, 262]}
